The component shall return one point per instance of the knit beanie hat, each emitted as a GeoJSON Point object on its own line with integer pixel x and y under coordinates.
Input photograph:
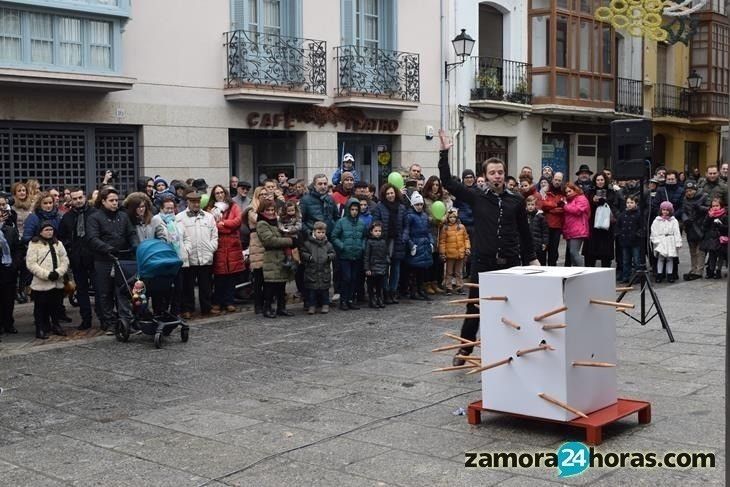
{"type": "Point", "coordinates": [45, 224]}
{"type": "Point", "coordinates": [159, 180]}
{"type": "Point", "coordinates": [416, 198]}
{"type": "Point", "coordinates": [467, 172]}
{"type": "Point", "coordinates": [667, 205]}
{"type": "Point", "coordinates": [347, 174]}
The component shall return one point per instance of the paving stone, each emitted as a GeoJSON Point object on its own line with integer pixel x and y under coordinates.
{"type": "Point", "coordinates": [116, 433]}
{"type": "Point", "coordinates": [373, 404]}
{"type": "Point", "coordinates": [194, 421]}
{"type": "Point", "coordinates": [417, 439]}
{"type": "Point", "coordinates": [410, 469]}
{"type": "Point", "coordinates": [314, 418]}
{"type": "Point", "coordinates": [199, 456]}
{"type": "Point", "coordinates": [26, 416]}
{"type": "Point", "coordinates": [292, 473]}
{"type": "Point", "coordinates": [300, 392]}
{"type": "Point", "coordinates": [105, 408]}
{"type": "Point", "coordinates": [270, 437]}
{"type": "Point", "coordinates": [62, 457]}
{"type": "Point", "coordinates": [337, 452]}
{"type": "Point", "coordinates": [136, 472]}
{"type": "Point", "coordinates": [20, 477]}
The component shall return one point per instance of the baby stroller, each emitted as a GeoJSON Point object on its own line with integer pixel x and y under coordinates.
{"type": "Point", "coordinates": [157, 265]}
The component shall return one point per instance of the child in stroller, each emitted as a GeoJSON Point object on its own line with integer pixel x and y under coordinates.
{"type": "Point", "coordinates": [151, 277]}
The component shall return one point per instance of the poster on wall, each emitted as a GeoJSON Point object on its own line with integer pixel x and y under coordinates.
{"type": "Point", "coordinates": [555, 154]}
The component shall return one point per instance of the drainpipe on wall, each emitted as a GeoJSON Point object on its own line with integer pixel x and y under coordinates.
{"type": "Point", "coordinates": [442, 61]}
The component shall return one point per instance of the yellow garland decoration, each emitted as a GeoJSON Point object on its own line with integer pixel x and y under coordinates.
{"type": "Point", "coordinates": [637, 30]}
{"type": "Point", "coordinates": [604, 14]}
{"type": "Point", "coordinates": [620, 22]}
{"type": "Point", "coordinates": [635, 3]}
{"type": "Point", "coordinates": [618, 6]}
{"type": "Point", "coordinates": [637, 13]}
{"type": "Point", "coordinates": [657, 34]}
{"type": "Point", "coordinates": [652, 20]}
{"type": "Point", "coordinates": [654, 6]}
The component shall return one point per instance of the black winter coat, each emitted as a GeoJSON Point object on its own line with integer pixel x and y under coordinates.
{"type": "Point", "coordinates": [317, 256]}
{"type": "Point", "coordinates": [713, 228]}
{"type": "Point", "coordinates": [382, 214]}
{"type": "Point", "coordinates": [79, 250]}
{"type": "Point", "coordinates": [600, 244]}
{"type": "Point", "coordinates": [538, 228]}
{"type": "Point", "coordinates": [9, 274]}
{"type": "Point", "coordinates": [111, 233]}
{"type": "Point", "coordinates": [376, 256]}
{"type": "Point", "coordinates": [629, 228]}
{"type": "Point", "coordinates": [693, 216]}
{"type": "Point", "coordinates": [501, 230]}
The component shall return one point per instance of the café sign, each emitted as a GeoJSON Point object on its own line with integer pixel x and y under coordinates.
{"type": "Point", "coordinates": [352, 119]}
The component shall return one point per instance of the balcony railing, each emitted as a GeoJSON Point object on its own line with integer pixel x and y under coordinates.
{"type": "Point", "coordinates": [370, 71]}
{"type": "Point", "coordinates": [709, 105]}
{"type": "Point", "coordinates": [671, 101]}
{"type": "Point", "coordinates": [629, 96]}
{"type": "Point", "coordinates": [272, 60]}
{"type": "Point", "coordinates": [502, 80]}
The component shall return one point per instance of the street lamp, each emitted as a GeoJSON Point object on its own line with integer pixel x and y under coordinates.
{"type": "Point", "coordinates": [694, 80]}
{"type": "Point", "coordinates": [463, 45]}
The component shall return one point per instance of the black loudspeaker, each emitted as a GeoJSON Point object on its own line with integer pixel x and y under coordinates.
{"type": "Point", "coordinates": [630, 148]}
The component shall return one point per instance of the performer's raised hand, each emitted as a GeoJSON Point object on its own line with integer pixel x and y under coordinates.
{"type": "Point", "coordinates": [446, 142]}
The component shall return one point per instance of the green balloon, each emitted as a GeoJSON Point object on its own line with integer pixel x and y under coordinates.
{"type": "Point", "coordinates": [438, 210]}
{"type": "Point", "coordinates": [204, 200]}
{"type": "Point", "coordinates": [396, 180]}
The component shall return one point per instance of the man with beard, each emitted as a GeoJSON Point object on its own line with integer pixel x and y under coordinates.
{"type": "Point", "coordinates": [712, 186]}
{"type": "Point", "coordinates": [73, 234]}
{"type": "Point", "coordinates": [552, 207]}
{"type": "Point", "coordinates": [316, 206]}
{"type": "Point", "coordinates": [584, 181]}
{"type": "Point", "coordinates": [501, 240]}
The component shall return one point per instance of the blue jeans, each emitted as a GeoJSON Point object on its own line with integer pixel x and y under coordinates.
{"type": "Point", "coordinates": [630, 256]}
{"type": "Point", "coordinates": [574, 258]}
{"type": "Point", "coordinates": [394, 277]}
{"type": "Point", "coordinates": [349, 274]}
{"type": "Point", "coordinates": [317, 297]}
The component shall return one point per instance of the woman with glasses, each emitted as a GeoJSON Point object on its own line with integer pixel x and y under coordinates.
{"type": "Point", "coordinates": [228, 258]}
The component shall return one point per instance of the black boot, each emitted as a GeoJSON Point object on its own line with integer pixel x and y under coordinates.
{"type": "Point", "coordinates": [718, 274]}
{"type": "Point", "coordinates": [380, 302]}
{"type": "Point", "coordinates": [268, 310]}
{"type": "Point", "coordinates": [57, 329]}
{"type": "Point", "coordinates": [343, 306]}
{"type": "Point", "coordinates": [352, 305]}
{"type": "Point", "coordinates": [424, 296]}
{"type": "Point", "coordinates": [281, 310]}
{"type": "Point", "coordinates": [11, 329]}
{"type": "Point", "coordinates": [372, 301]}
{"type": "Point", "coordinates": [394, 297]}
{"type": "Point", "coordinates": [85, 325]}
{"type": "Point", "coordinates": [659, 278]}
{"type": "Point", "coordinates": [388, 297]}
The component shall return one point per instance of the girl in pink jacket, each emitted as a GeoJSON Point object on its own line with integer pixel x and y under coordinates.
{"type": "Point", "coordinates": [576, 227]}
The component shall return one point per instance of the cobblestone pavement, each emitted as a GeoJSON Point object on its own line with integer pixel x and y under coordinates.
{"type": "Point", "coordinates": [344, 399]}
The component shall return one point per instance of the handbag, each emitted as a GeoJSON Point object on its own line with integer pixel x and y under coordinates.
{"type": "Point", "coordinates": [69, 285]}
{"type": "Point", "coordinates": [603, 217]}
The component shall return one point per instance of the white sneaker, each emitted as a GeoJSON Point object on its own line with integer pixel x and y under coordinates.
{"type": "Point", "coordinates": [335, 297]}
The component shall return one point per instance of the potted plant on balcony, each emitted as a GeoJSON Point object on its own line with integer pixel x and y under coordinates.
{"type": "Point", "coordinates": [490, 86]}
{"type": "Point", "coordinates": [521, 94]}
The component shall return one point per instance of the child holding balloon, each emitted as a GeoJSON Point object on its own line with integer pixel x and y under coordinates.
{"type": "Point", "coordinates": [437, 202]}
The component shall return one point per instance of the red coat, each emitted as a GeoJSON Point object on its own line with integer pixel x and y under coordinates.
{"type": "Point", "coordinates": [553, 212]}
{"type": "Point", "coordinates": [228, 259]}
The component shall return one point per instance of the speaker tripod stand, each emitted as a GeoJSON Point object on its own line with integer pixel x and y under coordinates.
{"type": "Point", "coordinates": [641, 277]}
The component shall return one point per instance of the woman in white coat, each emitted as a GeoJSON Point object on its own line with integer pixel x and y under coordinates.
{"type": "Point", "coordinates": [48, 262]}
{"type": "Point", "coordinates": [666, 240]}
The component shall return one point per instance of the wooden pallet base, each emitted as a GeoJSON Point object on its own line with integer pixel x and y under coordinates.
{"type": "Point", "coordinates": [593, 425]}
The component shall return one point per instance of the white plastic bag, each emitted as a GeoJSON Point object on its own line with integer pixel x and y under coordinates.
{"type": "Point", "coordinates": [603, 217]}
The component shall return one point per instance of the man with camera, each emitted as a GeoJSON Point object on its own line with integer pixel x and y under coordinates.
{"type": "Point", "coordinates": [73, 234]}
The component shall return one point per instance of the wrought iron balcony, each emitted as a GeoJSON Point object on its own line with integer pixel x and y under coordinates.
{"type": "Point", "coordinates": [370, 71]}
{"type": "Point", "coordinates": [502, 80]}
{"type": "Point", "coordinates": [705, 105]}
{"type": "Point", "coordinates": [260, 59]}
{"type": "Point", "coordinates": [629, 96]}
{"type": "Point", "coordinates": [671, 101]}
